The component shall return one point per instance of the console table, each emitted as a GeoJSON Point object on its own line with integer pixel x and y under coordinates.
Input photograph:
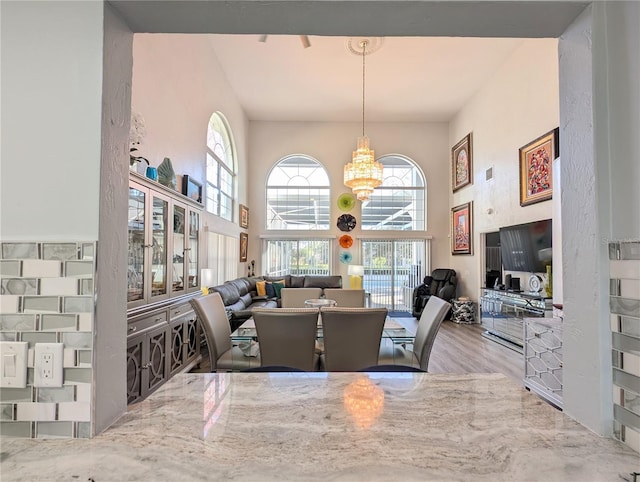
{"type": "Point", "coordinates": [543, 358]}
{"type": "Point", "coordinates": [502, 314]}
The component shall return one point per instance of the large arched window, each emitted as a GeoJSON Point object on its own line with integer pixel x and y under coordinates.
{"type": "Point", "coordinates": [298, 195]}
{"type": "Point", "coordinates": [400, 203]}
{"type": "Point", "coordinates": [221, 168]}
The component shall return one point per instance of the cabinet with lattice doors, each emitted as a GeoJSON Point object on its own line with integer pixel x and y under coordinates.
{"type": "Point", "coordinates": [185, 338]}
{"type": "Point", "coordinates": [543, 358]}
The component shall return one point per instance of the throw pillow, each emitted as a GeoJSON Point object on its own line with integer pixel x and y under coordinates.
{"type": "Point", "coordinates": [278, 285]}
{"type": "Point", "coordinates": [261, 288]}
{"type": "Point", "coordinates": [270, 290]}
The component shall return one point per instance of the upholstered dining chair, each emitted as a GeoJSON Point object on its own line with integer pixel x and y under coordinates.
{"type": "Point", "coordinates": [213, 318]}
{"type": "Point", "coordinates": [295, 297]}
{"type": "Point", "coordinates": [287, 336]}
{"type": "Point", "coordinates": [351, 337]}
{"type": "Point", "coordinates": [430, 320]}
{"type": "Point", "coordinates": [346, 298]}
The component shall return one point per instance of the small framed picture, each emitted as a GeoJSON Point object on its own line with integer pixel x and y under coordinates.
{"type": "Point", "coordinates": [462, 229]}
{"type": "Point", "coordinates": [462, 163]}
{"type": "Point", "coordinates": [244, 247]}
{"type": "Point", "coordinates": [244, 216]}
{"type": "Point", "coordinates": [536, 168]}
{"type": "Point", "coordinates": [192, 189]}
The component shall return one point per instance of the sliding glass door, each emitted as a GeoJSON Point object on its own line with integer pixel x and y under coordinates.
{"type": "Point", "coordinates": [392, 269]}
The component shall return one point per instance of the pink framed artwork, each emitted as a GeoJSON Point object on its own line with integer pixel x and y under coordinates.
{"type": "Point", "coordinates": [536, 158]}
{"type": "Point", "coordinates": [462, 229]}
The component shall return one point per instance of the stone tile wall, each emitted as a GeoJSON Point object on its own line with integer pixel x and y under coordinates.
{"type": "Point", "coordinates": [47, 295]}
{"type": "Point", "coordinates": [624, 304]}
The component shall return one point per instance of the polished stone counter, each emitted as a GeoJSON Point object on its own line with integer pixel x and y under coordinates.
{"type": "Point", "coordinates": [330, 426]}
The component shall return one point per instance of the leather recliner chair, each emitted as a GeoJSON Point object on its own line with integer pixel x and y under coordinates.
{"type": "Point", "coordinates": [442, 283]}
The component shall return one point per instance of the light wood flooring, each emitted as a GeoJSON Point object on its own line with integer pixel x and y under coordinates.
{"type": "Point", "coordinates": [458, 348]}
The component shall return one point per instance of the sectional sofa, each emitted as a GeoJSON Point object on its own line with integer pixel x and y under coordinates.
{"type": "Point", "coordinates": [240, 295]}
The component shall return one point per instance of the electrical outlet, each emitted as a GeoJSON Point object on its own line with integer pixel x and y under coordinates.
{"type": "Point", "coordinates": [13, 364]}
{"type": "Point", "coordinates": [47, 364]}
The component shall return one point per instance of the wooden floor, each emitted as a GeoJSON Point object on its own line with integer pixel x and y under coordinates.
{"type": "Point", "coordinates": [458, 349]}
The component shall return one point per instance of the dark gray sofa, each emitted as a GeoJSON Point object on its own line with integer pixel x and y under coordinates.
{"type": "Point", "coordinates": [240, 295]}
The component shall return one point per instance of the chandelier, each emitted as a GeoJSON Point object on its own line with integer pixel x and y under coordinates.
{"type": "Point", "coordinates": [363, 174]}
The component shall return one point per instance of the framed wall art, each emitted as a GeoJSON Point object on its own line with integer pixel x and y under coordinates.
{"type": "Point", "coordinates": [244, 247]}
{"type": "Point", "coordinates": [462, 229]}
{"type": "Point", "coordinates": [192, 189]}
{"type": "Point", "coordinates": [536, 159]}
{"type": "Point", "coordinates": [462, 163]}
{"type": "Point", "coordinates": [244, 216]}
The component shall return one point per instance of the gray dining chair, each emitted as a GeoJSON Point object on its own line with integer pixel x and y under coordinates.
{"type": "Point", "coordinates": [351, 337]}
{"type": "Point", "coordinates": [213, 318]}
{"type": "Point", "coordinates": [346, 298]}
{"type": "Point", "coordinates": [287, 336]}
{"type": "Point", "coordinates": [295, 297]}
{"type": "Point", "coordinates": [432, 316]}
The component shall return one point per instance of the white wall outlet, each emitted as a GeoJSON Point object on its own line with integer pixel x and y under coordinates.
{"type": "Point", "coordinates": [13, 364]}
{"type": "Point", "coordinates": [47, 365]}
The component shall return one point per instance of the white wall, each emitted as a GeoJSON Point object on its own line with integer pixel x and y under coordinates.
{"type": "Point", "coordinates": [177, 85]}
{"type": "Point", "coordinates": [332, 144]}
{"type": "Point", "coordinates": [51, 116]}
{"type": "Point", "coordinates": [517, 105]}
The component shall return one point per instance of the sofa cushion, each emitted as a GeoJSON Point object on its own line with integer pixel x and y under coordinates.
{"type": "Point", "coordinates": [246, 299]}
{"type": "Point", "coordinates": [277, 286]}
{"type": "Point", "coordinates": [228, 292]}
{"type": "Point", "coordinates": [296, 282]}
{"type": "Point", "coordinates": [241, 284]}
{"type": "Point", "coordinates": [286, 278]}
{"type": "Point", "coordinates": [323, 281]}
{"type": "Point", "coordinates": [261, 288]}
{"type": "Point", "coordinates": [270, 290]}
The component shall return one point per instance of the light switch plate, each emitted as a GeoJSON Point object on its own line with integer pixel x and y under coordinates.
{"type": "Point", "coordinates": [13, 364]}
{"type": "Point", "coordinates": [47, 365]}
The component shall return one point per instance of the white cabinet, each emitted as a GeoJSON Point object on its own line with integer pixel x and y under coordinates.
{"type": "Point", "coordinates": [543, 358]}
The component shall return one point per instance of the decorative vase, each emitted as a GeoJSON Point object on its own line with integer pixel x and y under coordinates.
{"type": "Point", "coordinates": [166, 174]}
{"type": "Point", "coordinates": [549, 286]}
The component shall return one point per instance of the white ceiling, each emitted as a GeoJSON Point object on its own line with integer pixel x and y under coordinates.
{"type": "Point", "coordinates": [409, 79]}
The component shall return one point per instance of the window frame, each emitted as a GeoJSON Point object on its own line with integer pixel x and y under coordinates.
{"type": "Point", "coordinates": [221, 193]}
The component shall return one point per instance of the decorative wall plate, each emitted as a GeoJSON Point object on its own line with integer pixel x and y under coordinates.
{"type": "Point", "coordinates": [346, 201]}
{"type": "Point", "coordinates": [345, 257]}
{"type": "Point", "coordinates": [346, 222]}
{"type": "Point", "coordinates": [345, 241]}
{"type": "Point", "coordinates": [535, 283]}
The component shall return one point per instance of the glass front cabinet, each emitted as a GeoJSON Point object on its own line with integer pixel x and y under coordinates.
{"type": "Point", "coordinates": [163, 240]}
{"type": "Point", "coordinates": [163, 271]}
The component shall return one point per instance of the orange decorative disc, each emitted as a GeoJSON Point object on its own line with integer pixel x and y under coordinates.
{"type": "Point", "coordinates": [345, 241]}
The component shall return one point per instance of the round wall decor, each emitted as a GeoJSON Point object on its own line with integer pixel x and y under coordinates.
{"type": "Point", "coordinates": [345, 241]}
{"type": "Point", "coordinates": [345, 257]}
{"type": "Point", "coordinates": [346, 222]}
{"type": "Point", "coordinates": [346, 201]}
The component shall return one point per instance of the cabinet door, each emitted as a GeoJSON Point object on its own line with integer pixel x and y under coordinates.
{"type": "Point", "coordinates": [135, 362]}
{"type": "Point", "coordinates": [178, 346]}
{"type": "Point", "coordinates": [137, 235]}
{"type": "Point", "coordinates": [179, 230]}
{"type": "Point", "coordinates": [156, 369]}
{"type": "Point", "coordinates": [159, 247]}
{"type": "Point", "coordinates": [192, 251]}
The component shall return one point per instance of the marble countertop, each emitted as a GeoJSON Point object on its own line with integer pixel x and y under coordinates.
{"type": "Point", "coordinates": [330, 426]}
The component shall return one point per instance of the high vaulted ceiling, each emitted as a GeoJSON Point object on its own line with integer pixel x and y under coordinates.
{"type": "Point", "coordinates": [409, 79]}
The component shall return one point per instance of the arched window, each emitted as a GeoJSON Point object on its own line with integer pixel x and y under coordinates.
{"type": "Point", "coordinates": [400, 203]}
{"type": "Point", "coordinates": [298, 195]}
{"type": "Point", "coordinates": [221, 168]}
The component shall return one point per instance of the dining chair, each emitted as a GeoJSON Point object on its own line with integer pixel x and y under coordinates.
{"type": "Point", "coordinates": [295, 297]}
{"type": "Point", "coordinates": [430, 320]}
{"type": "Point", "coordinates": [351, 337]}
{"type": "Point", "coordinates": [213, 318]}
{"type": "Point", "coordinates": [346, 298]}
{"type": "Point", "coordinates": [287, 336]}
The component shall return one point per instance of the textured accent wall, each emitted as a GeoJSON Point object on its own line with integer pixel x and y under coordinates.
{"type": "Point", "coordinates": [624, 304]}
{"type": "Point", "coordinates": [47, 295]}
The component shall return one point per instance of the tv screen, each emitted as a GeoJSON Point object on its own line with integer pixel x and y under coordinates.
{"type": "Point", "coordinates": [526, 247]}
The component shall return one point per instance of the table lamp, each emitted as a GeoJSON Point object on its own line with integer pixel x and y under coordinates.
{"type": "Point", "coordinates": [356, 272]}
{"type": "Point", "coordinates": [207, 278]}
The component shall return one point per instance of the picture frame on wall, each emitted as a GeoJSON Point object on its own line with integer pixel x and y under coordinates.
{"type": "Point", "coordinates": [462, 229]}
{"type": "Point", "coordinates": [244, 247]}
{"type": "Point", "coordinates": [462, 163]}
{"type": "Point", "coordinates": [536, 168]}
{"type": "Point", "coordinates": [191, 188]}
{"type": "Point", "coordinates": [244, 216]}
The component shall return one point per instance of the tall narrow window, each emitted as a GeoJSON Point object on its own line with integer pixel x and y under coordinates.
{"type": "Point", "coordinates": [221, 168]}
{"type": "Point", "coordinates": [298, 195]}
{"type": "Point", "coordinates": [400, 203]}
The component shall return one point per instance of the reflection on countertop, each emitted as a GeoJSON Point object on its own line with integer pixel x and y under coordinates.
{"type": "Point", "coordinates": [330, 426]}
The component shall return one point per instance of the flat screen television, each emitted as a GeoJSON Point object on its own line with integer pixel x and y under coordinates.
{"type": "Point", "coordinates": [526, 247]}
